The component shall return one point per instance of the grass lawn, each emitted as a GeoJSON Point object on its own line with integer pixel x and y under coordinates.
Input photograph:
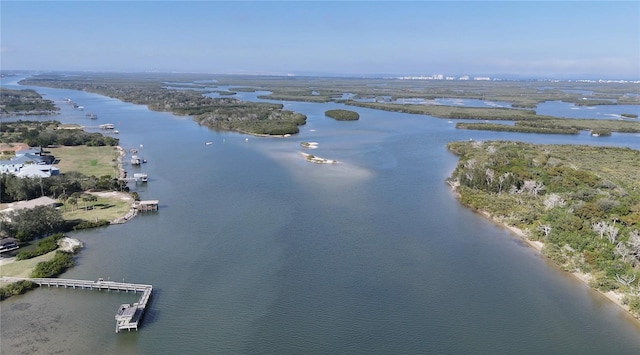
{"type": "Point", "coordinates": [108, 208]}
{"type": "Point", "coordinates": [23, 268]}
{"type": "Point", "coordinates": [96, 161]}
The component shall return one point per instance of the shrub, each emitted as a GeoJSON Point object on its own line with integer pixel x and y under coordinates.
{"type": "Point", "coordinates": [60, 262]}
{"type": "Point", "coordinates": [16, 288]}
{"type": "Point", "coordinates": [89, 224]}
{"type": "Point", "coordinates": [46, 245]}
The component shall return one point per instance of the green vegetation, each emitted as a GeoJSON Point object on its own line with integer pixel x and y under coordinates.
{"type": "Point", "coordinates": [183, 99]}
{"type": "Point", "coordinates": [16, 288]}
{"type": "Point", "coordinates": [515, 128]}
{"type": "Point", "coordinates": [454, 112]}
{"type": "Point", "coordinates": [559, 126]}
{"type": "Point", "coordinates": [102, 208]}
{"type": "Point", "coordinates": [90, 161]}
{"type": "Point", "coordinates": [250, 117]}
{"type": "Point", "coordinates": [342, 115]}
{"type": "Point", "coordinates": [31, 223]}
{"type": "Point", "coordinates": [46, 133]}
{"type": "Point", "coordinates": [56, 266]}
{"type": "Point", "coordinates": [583, 202]}
{"type": "Point", "coordinates": [13, 188]}
{"type": "Point", "coordinates": [219, 113]}
{"type": "Point", "coordinates": [49, 265]}
{"type": "Point", "coordinates": [45, 245]}
{"type": "Point", "coordinates": [23, 268]}
{"type": "Point", "coordinates": [25, 102]}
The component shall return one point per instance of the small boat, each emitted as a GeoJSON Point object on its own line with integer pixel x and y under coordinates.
{"type": "Point", "coordinates": [208, 143]}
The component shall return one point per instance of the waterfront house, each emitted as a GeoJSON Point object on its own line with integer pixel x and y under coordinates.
{"type": "Point", "coordinates": [29, 163]}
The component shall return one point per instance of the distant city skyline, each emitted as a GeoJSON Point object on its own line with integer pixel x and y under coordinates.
{"type": "Point", "coordinates": [513, 39]}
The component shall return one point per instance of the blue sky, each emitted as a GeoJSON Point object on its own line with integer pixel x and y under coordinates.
{"type": "Point", "coordinates": [549, 39]}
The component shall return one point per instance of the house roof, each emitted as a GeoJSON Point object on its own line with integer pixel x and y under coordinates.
{"type": "Point", "coordinates": [40, 201]}
{"type": "Point", "coordinates": [34, 151]}
{"type": "Point", "coordinates": [36, 170]}
{"type": "Point", "coordinates": [4, 241]}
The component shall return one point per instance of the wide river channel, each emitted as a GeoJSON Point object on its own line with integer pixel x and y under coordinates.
{"type": "Point", "coordinates": [256, 251]}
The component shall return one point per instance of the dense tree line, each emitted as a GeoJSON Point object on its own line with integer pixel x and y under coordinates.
{"type": "Point", "coordinates": [46, 133]}
{"type": "Point", "coordinates": [583, 202]}
{"type": "Point", "coordinates": [496, 127]}
{"type": "Point", "coordinates": [14, 188]}
{"type": "Point", "coordinates": [26, 101]}
{"type": "Point", "coordinates": [251, 117]}
{"type": "Point", "coordinates": [342, 115]}
{"type": "Point", "coordinates": [31, 223]}
{"type": "Point", "coordinates": [221, 113]}
{"type": "Point", "coordinates": [442, 111]}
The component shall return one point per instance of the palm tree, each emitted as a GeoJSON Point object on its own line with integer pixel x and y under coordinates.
{"type": "Point", "coordinates": [73, 199]}
{"type": "Point", "coordinates": [54, 189]}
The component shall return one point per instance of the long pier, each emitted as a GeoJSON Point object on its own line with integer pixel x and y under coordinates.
{"type": "Point", "coordinates": [128, 316]}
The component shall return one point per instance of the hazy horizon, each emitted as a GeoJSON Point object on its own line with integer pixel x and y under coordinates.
{"type": "Point", "coordinates": [516, 39]}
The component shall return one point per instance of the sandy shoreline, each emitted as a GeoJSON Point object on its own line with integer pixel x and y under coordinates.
{"type": "Point", "coordinates": [612, 296]}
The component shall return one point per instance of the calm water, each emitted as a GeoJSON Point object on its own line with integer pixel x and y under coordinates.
{"type": "Point", "coordinates": [255, 250]}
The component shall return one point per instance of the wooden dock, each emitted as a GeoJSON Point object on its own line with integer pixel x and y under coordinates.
{"type": "Point", "coordinates": [147, 205]}
{"type": "Point", "coordinates": [137, 177]}
{"type": "Point", "coordinates": [128, 316]}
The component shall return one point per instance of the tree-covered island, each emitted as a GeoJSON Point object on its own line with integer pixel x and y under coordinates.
{"type": "Point", "coordinates": [581, 202]}
{"type": "Point", "coordinates": [220, 113]}
{"type": "Point", "coordinates": [25, 102]}
{"type": "Point", "coordinates": [525, 121]}
{"type": "Point", "coordinates": [342, 115]}
{"type": "Point", "coordinates": [186, 94]}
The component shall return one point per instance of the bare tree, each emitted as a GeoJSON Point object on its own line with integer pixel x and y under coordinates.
{"type": "Point", "coordinates": [612, 233]}
{"type": "Point", "coordinates": [532, 187]}
{"type": "Point", "coordinates": [622, 251]}
{"type": "Point", "coordinates": [600, 228]}
{"type": "Point", "coordinates": [546, 229]}
{"type": "Point", "coordinates": [634, 243]}
{"type": "Point", "coordinates": [625, 280]}
{"type": "Point", "coordinates": [489, 176]}
{"type": "Point", "coordinates": [501, 179]}
{"type": "Point", "coordinates": [553, 200]}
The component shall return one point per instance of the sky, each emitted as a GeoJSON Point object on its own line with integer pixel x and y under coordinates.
{"type": "Point", "coordinates": [526, 39]}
